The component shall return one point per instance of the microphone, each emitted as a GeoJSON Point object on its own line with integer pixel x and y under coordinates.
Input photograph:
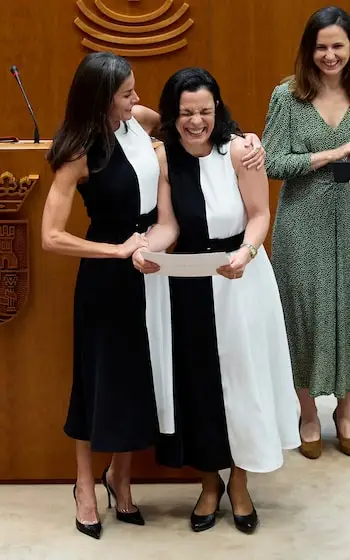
{"type": "Point", "coordinates": [15, 73]}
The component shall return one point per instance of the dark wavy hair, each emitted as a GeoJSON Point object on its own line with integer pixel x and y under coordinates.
{"type": "Point", "coordinates": [306, 82]}
{"type": "Point", "coordinates": [193, 79]}
{"type": "Point", "coordinates": [96, 80]}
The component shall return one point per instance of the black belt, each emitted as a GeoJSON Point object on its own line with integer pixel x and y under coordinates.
{"type": "Point", "coordinates": [215, 245]}
{"type": "Point", "coordinates": [108, 229]}
{"type": "Point", "coordinates": [141, 224]}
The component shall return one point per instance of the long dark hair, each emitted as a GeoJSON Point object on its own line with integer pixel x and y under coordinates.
{"type": "Point", "coordinates": [193, 79]}
{"type": "Point", "coordinates": [96, 80]}
{"type": "Point", "coordinates": [306, 82]}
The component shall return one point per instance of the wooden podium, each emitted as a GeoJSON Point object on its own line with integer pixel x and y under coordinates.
{"type": "Point", "coordinates": [36, 325]}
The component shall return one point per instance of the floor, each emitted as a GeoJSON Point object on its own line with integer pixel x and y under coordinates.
{"type": "Point", "coordinates": [304, 510]}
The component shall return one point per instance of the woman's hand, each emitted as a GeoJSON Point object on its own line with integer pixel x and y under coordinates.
{"type": "Point", "coordinates": [237, 264]}
{"type": "Point", "coordinates": [146, 267]}
{"type": "Point", "coordinates": [136, 241]}
{"type": "Point", "coordinates": [342, 152]}
{"type": "Point", "coordinates": [256, 157]}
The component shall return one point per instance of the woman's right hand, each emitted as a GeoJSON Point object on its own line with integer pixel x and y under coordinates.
{"type": "Point", "coordinates": [146, 267]}
{"type": "Point", "coordinates": [343, 151]}
{"type": "Point", "coordinates": [136, 241]}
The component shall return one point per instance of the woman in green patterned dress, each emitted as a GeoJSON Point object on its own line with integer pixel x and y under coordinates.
{"type": "Point", "coordinates": [308, 128]}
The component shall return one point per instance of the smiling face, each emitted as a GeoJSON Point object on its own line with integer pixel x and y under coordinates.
{"type": "Point", "coordinates": [123, 101]}
{"type": "Point", "coordinates": [196, 119]}
{"type": "Point", "coordinates": [332, 50]}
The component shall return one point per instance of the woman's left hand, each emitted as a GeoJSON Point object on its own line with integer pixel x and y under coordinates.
{"type": "Point", "coordinates": [256, 157]}
{"type": "Point", "coordinates": [237, 264]}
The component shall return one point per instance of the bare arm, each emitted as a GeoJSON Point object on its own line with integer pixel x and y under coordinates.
{"type": "Point", "coordinates": [56, 213]}
{"type": "Point", "coordinates": [254, 189]}
{"type": "Point", "coordinates": [165, 232]}
{"type": "Point", "coordinates": [148, 119]}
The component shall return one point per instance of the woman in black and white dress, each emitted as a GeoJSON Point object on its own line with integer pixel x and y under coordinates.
{"type": "Point", "coordinates": [122, 334]}
{"type": "Point", "coordinates": [104, 151]}
{"type": "Point", "coordinates": [234, 401]}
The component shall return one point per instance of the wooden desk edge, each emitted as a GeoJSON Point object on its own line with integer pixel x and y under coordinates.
{"type": "Point", "coordinates": [43, 145]}
{"type": "Point", "coordinates": [24, 145]}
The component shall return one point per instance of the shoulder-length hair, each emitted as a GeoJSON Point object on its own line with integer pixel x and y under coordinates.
{"type": "Point", "coordinates": [96, 80]}
{"type": "Point", "coordinates": [306, 82]}
{"type": "Point", "coordinates": [193, 79]}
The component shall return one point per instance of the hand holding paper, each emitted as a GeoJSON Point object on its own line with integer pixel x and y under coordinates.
{"type": "Point", "coordinates": [203, 264]}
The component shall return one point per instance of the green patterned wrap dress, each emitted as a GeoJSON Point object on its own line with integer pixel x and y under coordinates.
{"type": "Point", "coordinates": [311, 243]}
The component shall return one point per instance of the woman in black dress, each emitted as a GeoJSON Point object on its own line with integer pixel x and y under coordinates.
{"type": "Point", "coordinates": [121, 339]}
{"type": "Point", "coordinates": [104, 150]}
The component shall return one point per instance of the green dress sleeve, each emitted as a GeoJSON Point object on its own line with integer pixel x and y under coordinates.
{"type": "Point", "coordinates": [280, 162]}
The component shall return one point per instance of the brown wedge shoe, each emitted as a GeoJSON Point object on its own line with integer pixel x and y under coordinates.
{"type": "Point", "coordinates": [310, 449]}
{"type": "Point", "coordinates": [344, 443]}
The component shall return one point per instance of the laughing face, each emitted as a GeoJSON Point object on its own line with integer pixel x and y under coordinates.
{"type": "Point", "coordinates": [332, 50]}
{"type": "Point", "coordinates": [196, 119]}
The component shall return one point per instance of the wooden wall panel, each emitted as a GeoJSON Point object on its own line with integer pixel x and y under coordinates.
{"type": "Point", "coordinates": [46, 47]}
{"type": "Point", "coordinates": [252, 48]}
{"type": "Point", "coordinates": [36, 347]}
{"type": "Point", "coordinates": [249, 46]}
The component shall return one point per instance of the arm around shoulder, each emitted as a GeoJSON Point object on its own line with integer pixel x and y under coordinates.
{"type": "Point", "coordinates": [147, 118]}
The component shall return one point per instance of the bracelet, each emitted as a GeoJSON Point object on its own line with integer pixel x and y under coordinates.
{"type": "Point", "coordinates": [252, 249]}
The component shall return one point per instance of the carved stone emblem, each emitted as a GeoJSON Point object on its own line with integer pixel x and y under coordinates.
{"type": "Point", "coordinates": [14, 273]}
{"type": "Point", "coordinates": [155, 33]}
{"type": "Point", "coordinates": [13, 192]}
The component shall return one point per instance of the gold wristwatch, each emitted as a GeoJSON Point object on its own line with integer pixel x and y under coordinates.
{"type": "Point", "coordinates": [252, 249]}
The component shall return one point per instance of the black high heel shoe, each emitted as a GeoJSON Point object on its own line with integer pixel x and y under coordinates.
{"type": "Point", "coordinates": [133, 517]}
{"type": "Point", "coordinates": [203, 522]}
{"type": "Point", "coordinates": [244, 523]}
{"type": "Point", "coordinates": [90, 529]}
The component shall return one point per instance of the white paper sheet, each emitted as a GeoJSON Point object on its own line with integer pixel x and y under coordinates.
{"type": "Point", "coordinates": [203, 264]}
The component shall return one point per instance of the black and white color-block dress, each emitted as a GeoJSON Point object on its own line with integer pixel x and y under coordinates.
{"type": "Point", "coordinates": [233, 389]}
{"type": "Point", "coordinates": [122, 332]}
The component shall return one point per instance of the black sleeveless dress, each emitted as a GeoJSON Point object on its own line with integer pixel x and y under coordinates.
{"type": "Point", "coordinates": [113, 402]}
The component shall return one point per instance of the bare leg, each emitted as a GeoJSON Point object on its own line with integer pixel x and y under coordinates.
{"type": "Point", "coordinates": [241, 502]}
{"type": "Point", "coordinates": [343, 416]}
{"type": "Point", "coordinates": [208, 500]}
{"type": "Point", "coordinates": [85, 494]}
{"type": "Point", "coordinates": [118, 478]}
{"type": "Point", "coordinates": [310, 429]}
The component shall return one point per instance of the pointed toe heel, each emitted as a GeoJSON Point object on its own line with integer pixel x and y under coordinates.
{"type": "Point", "coordinates": [93, 530]}
{"type": "Point", "coordinates": [132, 517]}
